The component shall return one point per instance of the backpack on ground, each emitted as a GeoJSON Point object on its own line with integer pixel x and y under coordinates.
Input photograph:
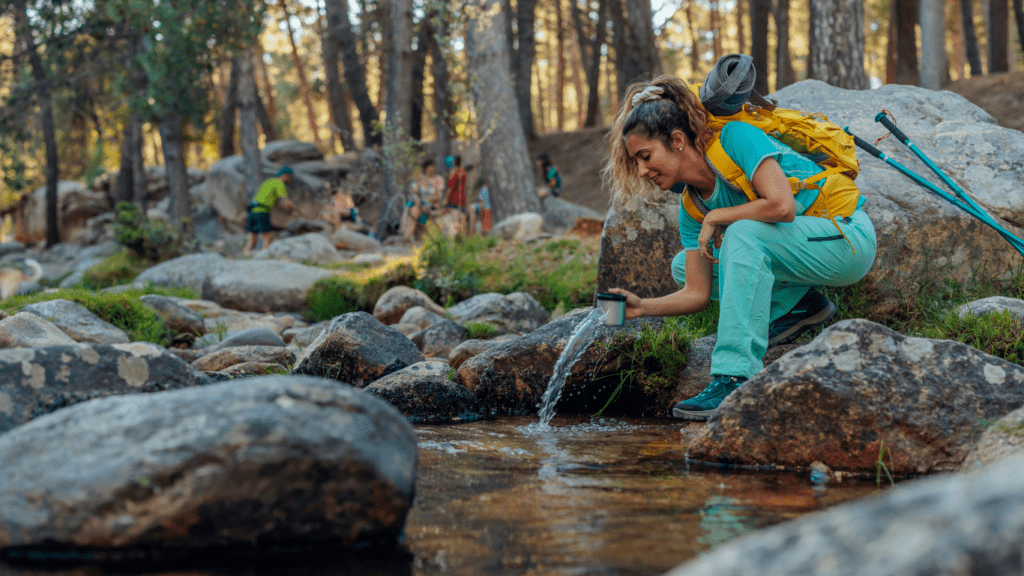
{"type": "Point", "coordinates": [728, 95]}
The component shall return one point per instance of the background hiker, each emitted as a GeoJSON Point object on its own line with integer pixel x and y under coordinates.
{"type": "Point", "coordinates": [272, 190]}
{"type": "Point", "coordinates": [424, 195]}
{"type": "Point", "coordinates": [341, 206]}
{"type": "Point", "coordinates": [552, 181]}
{"type": "Point", "coordinates": [456, 199]}
{"type": "Point", "coordinates": [761, 258]}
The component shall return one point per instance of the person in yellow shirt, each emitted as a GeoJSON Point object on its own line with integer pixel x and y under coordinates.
{"type": "Point", "coordinates": [272, 190]}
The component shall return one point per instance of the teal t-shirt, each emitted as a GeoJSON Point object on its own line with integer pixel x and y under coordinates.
{"type": "Point", "coordinates": [748, 146]}
{"type": "Point", "coordinates": [552, 174]}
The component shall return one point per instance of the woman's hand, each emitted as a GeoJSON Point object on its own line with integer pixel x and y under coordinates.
{"type": "Point", "coordinates": [709, 233]}
{"type": "Point", "coordinates": [633, 303]}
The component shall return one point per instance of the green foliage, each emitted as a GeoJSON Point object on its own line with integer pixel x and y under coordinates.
{"type": "Point", "coordinates": [152, 240]}
{"type": "Point", "coordinates": [123, 310]}
{"type": "Point", "coordinates": [880, 465]}
{"type": "Point", "coordinates": [336, 295]}
{"type": "Point", "coordinates": [115, 270]}
{"type": "Point", "coordinates": [481, 330]}
{"type": "Point", "coordinates": [999, 334]}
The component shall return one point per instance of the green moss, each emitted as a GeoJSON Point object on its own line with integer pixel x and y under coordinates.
{"type": "Point", "coordinates": [337, 295]}
{"type": "Point", "coordinates": [115, 270]}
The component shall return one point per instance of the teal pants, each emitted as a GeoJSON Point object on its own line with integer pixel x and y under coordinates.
{"type": "Point", "coordinates": [765, 269]}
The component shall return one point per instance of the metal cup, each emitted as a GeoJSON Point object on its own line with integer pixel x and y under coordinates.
{"type": "Point", "coordinates": [614, 307]}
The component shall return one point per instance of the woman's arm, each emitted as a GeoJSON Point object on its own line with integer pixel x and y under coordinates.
{"type": "Point", "coordinates": [693, 298]}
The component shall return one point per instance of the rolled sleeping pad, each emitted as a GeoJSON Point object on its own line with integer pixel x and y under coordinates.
{"type": "Point", "coordinates": [728, 85]}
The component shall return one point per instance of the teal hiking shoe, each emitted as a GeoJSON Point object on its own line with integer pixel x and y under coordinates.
{"type": "Point", "coordinates": [703, 405]}
{"type": "Point", "coordinates": [812, 311]}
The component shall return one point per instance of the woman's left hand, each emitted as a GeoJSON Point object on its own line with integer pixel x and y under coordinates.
{"type": "Point", "coordinates": [709, 233]}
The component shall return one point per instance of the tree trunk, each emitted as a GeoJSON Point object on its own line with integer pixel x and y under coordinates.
{"type": "Point", "coordinates": [248, 133]}
{"type": "Point", "coordinates": [716, 29]}
{"type": "Point", "coordinates": [300, 71]}
{"type": "Point", "coordinates": [934, 66]}
{"type": "Point", "coordinates": [444, 113]}
{"type": "Point", "coordinates": [140, 184]}
{"type": "Point", "coordinates": [227, 118]}
{"type": "Point", "coordinates": [907, 71]}
{"type": "Point", "coordinates": [265, 122]}
{"type": "Point", "coordinates": [691, 24]}
{"type": "Point", "coordinates": [172, 140]}
{"type": "Point", "coordinates": [590, 53]}
{"type": "Point", "coordinates": [759, 11]}
{"type": "Point", "coordinates": [1018, 15]}
{"type": "Point", "coordinates": [559, 66]}
{"type": "Point", "coordinates": [396, 105]}
{"type": "Point", "coordinates": [998, 36]}
{"type": "Point", "coordinates": [355, 73]}
{"type": "Point", "coordinates": [525, 31]}
{"type": "Point", "coordinates": [621, 44]}
{"type": "Point", "coordinates": [502, 143]}
{"type": "Point", "coordinates": [784, 73]}
{"type": "Point", "coordinates": [335, 89]}
{"type": "Point", "coordinates": [636, 53]}
{"type": "Point", "coordinates": [837, 34]}
{"type": "Point", "coordinates": [741, 30]}
{"type": "Point", "coordinates": [970, 37]}
{"type": "Point", "coordinates": [125, 185]}
{"type": "Point", "coordinates": [576, 64]}
{"type": "Point", "coordinates": [268, 89]}
{"type": "Point", "coordinates": [419, 64]}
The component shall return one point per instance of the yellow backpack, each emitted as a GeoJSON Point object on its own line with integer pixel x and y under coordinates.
{"type": "Point", "coordinates": [811, 135]}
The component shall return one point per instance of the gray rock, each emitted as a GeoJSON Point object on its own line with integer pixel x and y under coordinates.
{"type": "Point", "coordinates": [962, 524]}
{"type": "Point", "coordinates": [303, 336]}
{"type": "Point", "coordinates": [189, 271]}
{"type": "Point", "coordinates": [854, 387]}
{"type": "Point", "coordinates": [423, 393]}
{"type": "Point", "coordinates": [312, 247]}
{"type": "Point", "coordinates": [228, 357]}
{"type": "Point", "coordinates": [560, 215]}
{"type": "Point", "coordinates": [922, 239]}
{"type": "Point", "coordinates": [248, 337]}
{"type": "Point", "coordinates": [470, 348]}
{"type": "Point", "coordinates": [516, 312]}
{"type": "Point", "coordinates": [27, 330]}
{"type": "Point", "coordinates": [357, 349]}
{"type": "Point", "coordinates": [78, 270]}
{"type": "Point", "coordinates": [77, 322]}
{"type": "Point", "coordinates": [177, 317]}
{"type": "Point", "coordinates": [991, 305]}
{"type": "Point", "coordinates": [1001, 440]}
{"type": "Point", "coordinates": [288, 152]}
{"type": "Point", "coordinates": [11, 247]}
{"type": "Point", "coordinates": [350, 239]}
{"type": "Point", "coordinates": [262, 286]}
{"type": "Point", "coordinates": [266, 460]}
{"type": "Point", "coordinates": [421, 317]}
{"type": "Point", "coordinates": [439, 339]}
{"type": "Point", "coordinates": [519, 227]}
{"type": "Point", "coordinates": [40, 380]}
{"type": "Point", "coordinates": [407, 329]}
{"type": "Point", "coordinates": [392, 305]}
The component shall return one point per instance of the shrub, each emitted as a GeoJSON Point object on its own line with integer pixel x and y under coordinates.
{"type": "Point", "coordinates": [481, 330]}
{"type": "Point", "coordinates": [336, 295]}
{"type": "Point", "coordinates": [152, 240]}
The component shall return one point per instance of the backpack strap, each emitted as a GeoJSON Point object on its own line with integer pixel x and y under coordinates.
{"type": "Point", "coordinates": [694, 206]}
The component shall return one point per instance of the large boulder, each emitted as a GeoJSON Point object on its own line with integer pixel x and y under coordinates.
{"type": "Point", "coordinates": [993, 305]}
{"type": "Point", "coordinates": [228, 357]}
{"type": "Point", "coordinates": [254, 464]}
{"type": "Point", "coordinates": [469, 348]}
{"type": "Point", "coordinates": [76, 206]}
{"type": "Point", "coordinates": [421, 317]}
{"type": "Point", "coordinates": [393, 304]}
{"type": "Point", "coordinates": [256, 336]}
{"type": "Point", "coordinates": [561, 215]}
{"type": "Point", "coordinates": [357, 349]}
{"type": "Point", "coordinates": [519, 227]}
{"type": "Point", "coordinates": [312, 247]}
{"type": "Point", "coordinates": [859, 388]}
{"type": "Point", "coordinates": [177, 317]}
{"type": "Point", "coordinates": [262, 286]}
{"type": "Point", "coordinates": [517, 312]}
{"type": "Point", "coordinates": [957, 524]}
{"type": "Point", "coordinates": [40, 380]}
{"type": "Point", "coordinates": [27, 330]}
{"type": "Point", "coordinates": [922, 239]}
{"type": "Point", "coordinates": [189, 271]}
{"type": "Point", "coordinates": [423, 393]}
{"type": "Point", "coordinates": [439, 339]}
{"type": "Point", "coordinates": [346, 239]}
{"type": "Point", "coordinates": [1001, 440]}
{"type": "Point", "coordinates": [77, 322]}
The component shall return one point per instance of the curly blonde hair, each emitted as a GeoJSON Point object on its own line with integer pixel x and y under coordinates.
{"type": "Point", "coordinates": [677, 108]}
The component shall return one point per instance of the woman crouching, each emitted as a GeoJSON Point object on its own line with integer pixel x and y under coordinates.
{"type": "Point", "coordinates": [762, 259]}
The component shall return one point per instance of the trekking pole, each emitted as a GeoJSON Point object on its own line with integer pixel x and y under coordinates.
{"type": "Point", "coordinates": [1014, 241]}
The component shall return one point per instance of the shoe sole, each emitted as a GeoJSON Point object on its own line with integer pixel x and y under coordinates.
{"type": "Point", "coordinates": [805, 325]}
{"type": "Point", "coordinates": [697, 415]}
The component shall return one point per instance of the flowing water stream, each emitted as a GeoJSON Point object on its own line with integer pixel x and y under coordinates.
{"type": "Point", "coordinates": [577, 344]}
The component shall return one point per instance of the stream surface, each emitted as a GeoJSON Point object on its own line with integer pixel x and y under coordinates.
{"type": "Point", "coordinates": [603, 496]}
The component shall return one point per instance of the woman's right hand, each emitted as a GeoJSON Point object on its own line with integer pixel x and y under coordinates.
{"type": "Point", "coordinates": [633, 303]}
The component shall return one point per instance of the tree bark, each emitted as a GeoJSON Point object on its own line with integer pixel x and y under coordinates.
{"type": "Point", "coordinates": [1018, 15]}
{"type": "Point", "coordinates": [355, 74]}
{"type": "Point", "coordinates": [759, 11]}
{"type": "Point", "coordinates": [335, 89]}
{"type": "Point", "coordinates": [265, 122]}
{"type": "Point", "coordinates": [998, 36]}
{"type": "Point", "coordinates": [970, 38]}
{"type": "Point", "coordinates": [590, 53]}
{"type": "Point", "coordinates": [691, 24]}
{"type": "Point", "coordinates": [268, 90]}
{"type": "Point", "coordinates": [502, 142]}
{"type": "Point", "coordinates": [716, 29]}
{"type": "Point", "coordinates": [227, 117]}
{"type": "Point", "coordinates": [444, 112]}
{"type": "Point", "coordinates": [636, 53]}
{"type": "Point", "coordinates": [523, 66]}
{"type": "Point", "coordinates": [172, 140]}
{"type": "Point", "coordinates": [741, 30]}
{"type": "Point", "coordinates": [419, 64]}
{"type": "Point", "coordinates": [124, 186]}
{"type": "Point", "coordinates": [907, 71]}
{"type": "Point", "coordinates": [248, 133]}
{"type": "Point", "coordinates": [837, 34]}
{"type": "Point", "coordinates": [559, 66]}
{"type": "Point", "coordinates": [934, 66]}
{"type": "Point", "coordinates": [300, 71]}
{"type": "Point", "coordinates": [784, 73]}
{"type": "Point", "coordinates": [397, 107]}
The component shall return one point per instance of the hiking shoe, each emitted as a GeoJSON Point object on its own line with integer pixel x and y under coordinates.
{"type": "Point", "coordinates": [812, 311]}
{"type": "Point", "coordinates": [703, 405]}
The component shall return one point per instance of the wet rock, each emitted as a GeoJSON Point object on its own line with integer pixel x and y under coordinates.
{"type": "Point", "coordinates": [855, 386]}
{"type": "Point", "coordinates": [956, 524]}
{"type": "Point", "coordinates": [248, 337]}
{"type": "Point", "coordinates": [27, 330]}
{"type": "Point", "coordinates": [228, 357]}
{"type": "Point", "coordinates": [263, 286]}
{"type": "Point", "coordinates": [1002, 439]}
{"type": "Point", "coordinates": [992, 305]}
{"type": "Point", "coordinates": [393, 304]}
{"type": "Point", "coordinates": [267, 461]}
{"type": "Point", "coordinates": [422, 317]}
{"type": "Point", "coordinates": [312, 247]}
{"type": "Point", "coordinates": [189, 271]}
{"type": "Point", "coordinates": [177, 317]}
{"type": "Point", "coordinates": [423, 393]}
{"type": "Point", "coordinates": [346, 239]}
{"type": "Point", "coordinates": [439, 339]}
{"type": "Point", "coordinates": [519, 227]}
{"type": "Point", "coordinates": [77, 322]}
{"type": "Point", "coordinates": [357, 349]}
{"type": "Point", "coordinates": [511, 377]}
{"type": "Point", "coordinates": [470, 348]}
{"type": "Point", "coordinates": [517, 312]}
{"type": "Point", "coordinates": [36, 381]}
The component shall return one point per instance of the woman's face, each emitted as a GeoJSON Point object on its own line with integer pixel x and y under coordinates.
{"type": "Point", "coordinates": [654, 161]}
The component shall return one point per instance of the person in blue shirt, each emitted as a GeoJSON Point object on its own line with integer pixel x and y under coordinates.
{"type": "Point", "coordinates": [763, 259]}
{"type": "Point", "coordinates": [552, 180]}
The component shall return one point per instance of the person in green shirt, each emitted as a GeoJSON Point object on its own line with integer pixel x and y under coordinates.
{"type": "Point", "coordinates": [272, 190]}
